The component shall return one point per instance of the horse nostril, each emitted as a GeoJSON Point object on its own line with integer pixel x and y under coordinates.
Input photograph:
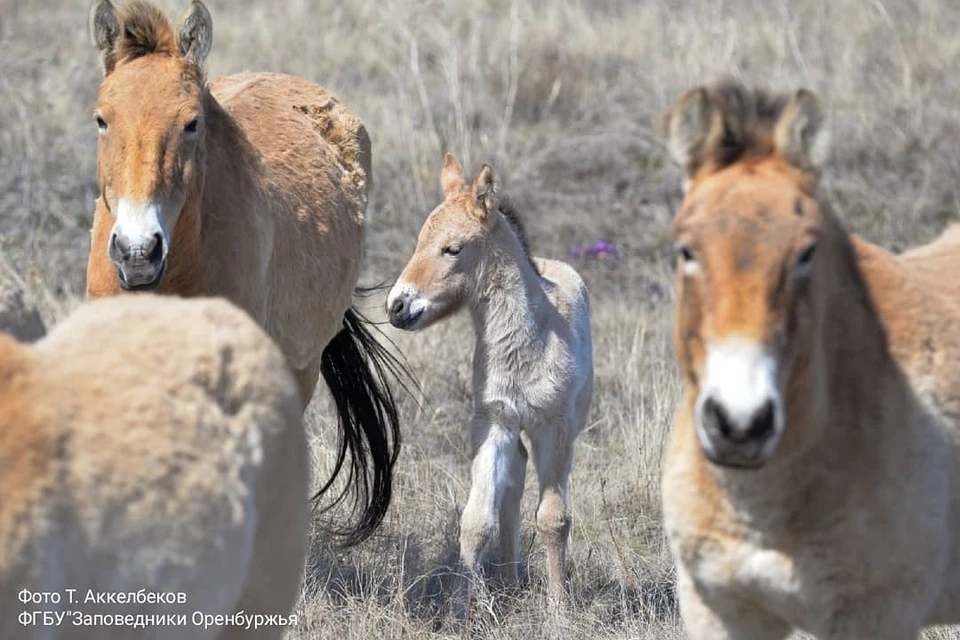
{"type": "Point", "coordinates": [762, 422]}
{"type": "Point", "coordinates": [397, 307]}
{"type": "Point", "coordinates": [716, 418]}
{"type": "Point", "coordinates": [156, 253]}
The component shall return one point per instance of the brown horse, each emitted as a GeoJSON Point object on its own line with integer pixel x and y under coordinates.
{"type": "Point", "coordinates": [812, 479]}
{"type": "Point", "coordinates": [150, 445]}
{"type": "Point", "coordinates": [252, 187]}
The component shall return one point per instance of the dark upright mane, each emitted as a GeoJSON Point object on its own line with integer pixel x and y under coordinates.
{"type": "Point", "coordinates": [516, 225]}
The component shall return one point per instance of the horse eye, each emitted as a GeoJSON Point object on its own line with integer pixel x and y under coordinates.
{"type": "Point", "coordinates": [685, 252]}
{"type": "Point", "coordinates": [192, 126]}
{"type": "Point", "coordinates": [450, 251]}
{"type": "Point", "coordinates": [101, 123]}
{"type": "Point", "coordinates": [803, 262]}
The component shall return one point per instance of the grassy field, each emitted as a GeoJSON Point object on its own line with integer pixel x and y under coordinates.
{"type": "Point", "coordinates": [563, 98]}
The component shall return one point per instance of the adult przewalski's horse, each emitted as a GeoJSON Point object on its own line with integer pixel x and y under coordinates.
{"type": "Point", "coordinates": [252, 187]}
{"type": "Point", "coordinates": [532, 363]}
{"type": "Point", "coordinates": [812, 478]}
{"type": "Point", "coordinates": [150, 445]}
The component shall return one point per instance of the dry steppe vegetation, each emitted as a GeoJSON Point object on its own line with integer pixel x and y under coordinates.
{"type": "Point", "coordinates": [563, 97]}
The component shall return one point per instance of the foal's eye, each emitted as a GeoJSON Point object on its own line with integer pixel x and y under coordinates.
{"type": "Point", "coordinates": [192, 126]}
{"type": "Point", "coordinates": [101, 123]}
{"type": "Point", "coordinates": [806, 258]}
{"type": "Point", "coordinates": [450, 251]}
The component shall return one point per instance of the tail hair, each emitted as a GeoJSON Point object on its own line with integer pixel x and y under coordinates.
{"type": "Point", "coordinates": [356, 369]}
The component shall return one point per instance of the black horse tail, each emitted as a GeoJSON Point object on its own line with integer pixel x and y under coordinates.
{"type": "Point", "coordinates": [356, 368]}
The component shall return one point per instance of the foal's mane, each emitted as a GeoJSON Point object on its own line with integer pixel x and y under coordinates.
{"type": "Point", "coordinates": [144, 29]}
{"type": "Point", "coordinates": [513, 219]}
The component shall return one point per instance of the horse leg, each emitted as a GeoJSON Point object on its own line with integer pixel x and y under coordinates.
{"type": "Point", "coordinates": [494, 448]}
{"type": "Point", "coordinates": [308, 378]}
{"type": "Point", "coordinates": [553, 455]}
{"type": "Point", "coordinates": [509, 539]}
{"type": "Point", "coordinates": [735, 621]}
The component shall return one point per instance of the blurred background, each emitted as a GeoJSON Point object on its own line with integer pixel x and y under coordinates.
{"type": "Point", "coordinates": [563, 98]}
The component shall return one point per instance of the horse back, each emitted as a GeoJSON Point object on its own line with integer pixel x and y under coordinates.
{"type": "Point", "coordinates": [289, 181]}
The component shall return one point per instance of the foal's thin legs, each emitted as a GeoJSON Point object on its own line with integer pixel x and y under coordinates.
{"type": "Point", "coordinates": [495, 434]}
{"type": "Point", "coordinates": [554, 457]}
{"type": "Point", "coordinates": [509, 538]}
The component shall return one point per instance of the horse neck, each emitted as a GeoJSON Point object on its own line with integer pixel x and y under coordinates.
{"type": "Point", "coordinates": [186, 274]}
{"type": "Point", "coordinates": [185, 267]}
{"type": "Point", "coordinates": [508, 297]}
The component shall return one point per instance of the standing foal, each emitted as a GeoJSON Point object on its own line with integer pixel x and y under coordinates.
{"type": "Point", "coordinates": [532, 366]}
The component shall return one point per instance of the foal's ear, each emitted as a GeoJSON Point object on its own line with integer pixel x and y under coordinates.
{"type": "Point", "coordinates": [451, 176]}
{"type": "Point", "coordinates": [694, 130]}
{"type": "Point", "coordinates": [801, 136]}
{"type": "Point", "coordinates": [104, 31]}
{"type": "Point", "coordinates": [195, 33]}
{"type": "Point", "coordinates": [484, 190]}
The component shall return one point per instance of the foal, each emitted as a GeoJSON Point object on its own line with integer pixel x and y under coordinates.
{"type": "Point", "coordinates": [532, 366]}
{"type": "Point", "coordinates": [812, 479]}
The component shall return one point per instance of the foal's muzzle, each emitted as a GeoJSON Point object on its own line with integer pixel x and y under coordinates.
{"type": "Point", "coordinates": [404, 307]}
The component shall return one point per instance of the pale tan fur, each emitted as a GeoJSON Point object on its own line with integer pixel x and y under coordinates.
{"type": "Point", "coordinates": [153, 443]}
{"type": "Point", "coordinates": [264, 205]}
{"type": "Point", "coordinates": [532, 365]}
{"type": "Point", "coordinates": [848, 524]}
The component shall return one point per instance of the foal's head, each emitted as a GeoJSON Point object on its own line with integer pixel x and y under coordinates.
{"type": "Point", "coordinates": [444, 268]}
{"type": "Point", "coordinates": [149, 115]}
{"type": "Point", "coordinates": [751, 242]}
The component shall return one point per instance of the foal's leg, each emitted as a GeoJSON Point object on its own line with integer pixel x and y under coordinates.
{"type": "Point", "coordinates": [509, 538]}
{"type": "Point", "coordinates": [495, 435]}
{"type": "Point", "coordinates": [553, 455]}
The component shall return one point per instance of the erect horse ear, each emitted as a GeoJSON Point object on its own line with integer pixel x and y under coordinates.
{"type": "Point", "coordinates": [800, 136]}
{"type": "Point", "coordinates": [694, 130]}
{"type": "Point", "coordinates": [195, 33]}
{"type": "Point", "coordinates": [485, 190]}
{"type": "Point", "coordinates": [104, 31]}
{"type": "Point", "coordinates": [452, 177]}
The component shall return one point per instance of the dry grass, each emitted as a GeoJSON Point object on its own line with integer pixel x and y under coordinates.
{"type": "Point", "coordinates": [562, 98]}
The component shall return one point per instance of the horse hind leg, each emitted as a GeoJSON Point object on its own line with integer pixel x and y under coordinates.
{"type": "Point", "coordinates": [553, 457]}
{"type": "Point", "coordinates": [307, 378]}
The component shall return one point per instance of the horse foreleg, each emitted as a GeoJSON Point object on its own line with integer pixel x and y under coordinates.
{"type": "Point", "coordinates": [495, 448]}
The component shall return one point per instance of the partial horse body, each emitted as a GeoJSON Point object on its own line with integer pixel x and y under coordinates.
{"type": "Point", "coordinates": [532, 365]}
{"type": "Point", "coordinates": [252, 187]}
{"type": "Point", "coordinates": [149, 445]}
{"type": "Point", "coordinates": [812, 479]}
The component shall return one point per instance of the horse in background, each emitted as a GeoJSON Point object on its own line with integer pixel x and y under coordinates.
{"type": "Point", "coordinates": [252, 187]}
{"type": "Point", "coordinates": [812, 479]}
{"type": "Point", "coordinates": [532, 364]}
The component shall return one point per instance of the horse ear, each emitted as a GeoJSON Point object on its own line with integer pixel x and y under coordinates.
{"type": "Point", "coordinates": [485, 190]}
{"type": "Point", "coordinates": [104, 31]}
{"type": "Point", "coordinates": [195, 33]}
{"type": "Point", "coordinates": [800, 136]}
{"type": "Point", "coordinates": [451, 176]}
{"type": "Point", "coordinates": [694, 130]}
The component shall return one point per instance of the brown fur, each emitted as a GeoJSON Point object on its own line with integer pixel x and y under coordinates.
{"type": "Point", "coordinates": [188, 475]}
{"type": "Point", "coordinates": [265, 207]}
{"type": "Point", "coordinates": [849, 527]}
